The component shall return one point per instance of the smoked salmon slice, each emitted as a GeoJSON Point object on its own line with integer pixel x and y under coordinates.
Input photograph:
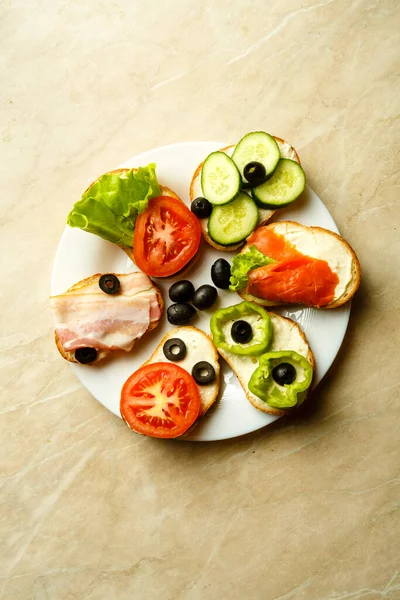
{"type": "Point", "coordinates": [294, 277]}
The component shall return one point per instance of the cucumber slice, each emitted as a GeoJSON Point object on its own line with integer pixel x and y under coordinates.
{"type": "Point", "coordinates": [283, 187]}
{"type": "Point", "coordinates": [233, 222]}
{"type": "Point", "coordinates": [220, 178]}
{"type": "Point", "coordinates": [257, 146]}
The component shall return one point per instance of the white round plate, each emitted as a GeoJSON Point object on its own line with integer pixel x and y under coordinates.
{"type": "Point", "coordinates": [81, 254]}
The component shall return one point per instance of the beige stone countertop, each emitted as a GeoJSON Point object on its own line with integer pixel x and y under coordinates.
{"type": "Point", "coordinates": [305, 509]}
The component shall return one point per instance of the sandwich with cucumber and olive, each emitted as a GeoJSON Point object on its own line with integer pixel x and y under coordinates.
{"type": "Point", "coordinates": [239, 187]}
{"type": "Point", "coordinates": [268, 353]}
{"type": "Point", "coordinates": [104, 313]}
{"type": "Point", "coordinates": [175, 387]}
{"type": "Point", "coordinates": [147, 220]}
{"type": "Point", "coordinates": [286, 262]}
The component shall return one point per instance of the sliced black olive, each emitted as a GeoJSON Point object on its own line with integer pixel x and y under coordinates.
{"type": "Point", "coordinates": [85, 355]}
{"type": "Point", "coordinates": [204, 297]}
{"type": "Point", "coordinates": [241, 332]}
{"type": "Point", "coordinates": [284, 373]}
{"type": "Point", "coordinates": [255, 173]}
{"type": "Point", "coordinates": [174, 349]}
{"type": "Point", "coordinates": [221, 273]}
{"type": "Point", "coordinates": [203, 373]}
{"type": "Point", "coordinates": [181, 313]}
{"type": "Point", "coordinates": [201, 207]}
{"type": "Point", "coordinates": [109, 283]}
{"type": "Point", "coordinates": [181, 291]}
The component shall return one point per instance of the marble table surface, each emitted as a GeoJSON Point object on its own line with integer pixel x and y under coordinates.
{"type": "Point", "coordinates": [305, 509]}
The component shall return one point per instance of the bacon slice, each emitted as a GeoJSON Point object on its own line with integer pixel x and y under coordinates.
{"type": "Point", "coordinates": [87, 316]}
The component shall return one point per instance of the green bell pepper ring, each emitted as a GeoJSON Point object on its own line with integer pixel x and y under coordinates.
{"type": "Point", "coordinates": [263, 385]}
{"type": "Point", "coordinates": [223, 319]}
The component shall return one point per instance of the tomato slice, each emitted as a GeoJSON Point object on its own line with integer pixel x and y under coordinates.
{"type": "Point", "coordinates": [160, 400]}
{"type": "Point", "coordinates": [167, 235]}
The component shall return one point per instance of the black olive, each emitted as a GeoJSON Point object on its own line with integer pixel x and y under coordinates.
{"type": "Point", "coordinates": [109, 284]}
{"type": "Point", "coordinates": [174, 349]}
{"type": "Point", "coordinates": [85, 355]}
{"type": "Point", "coordinates": [204, 297]}
{"type": "Point", "coordinates": [221, 273]}
{"type": "Point", "coordinates": [181, 291]}
{"type": "Point", "coordinates": [203, 373]}
{"type": "Point", "coordinates": [284, 373]}
{"type": "Point", "coordinates": [255, 173]}
{"type": "Point", "coordinates": [201, 207]}
{"type": "Point", "coordinates": [241, 332]}
{"type": "Point", "coordinates": [181, 313]}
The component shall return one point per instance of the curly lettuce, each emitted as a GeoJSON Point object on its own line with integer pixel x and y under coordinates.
{"type": "Point", "coordinates": [110, 207]}
{"type": "Point", "coordinates": [248, 260]}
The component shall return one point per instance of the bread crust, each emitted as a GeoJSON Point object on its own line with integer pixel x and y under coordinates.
{"type": "Point", "coordinates": [69, 355]}
{"type": "Point", "coordinates": [265, 216]}
{"type": "Point", "coordinates": [356, 271]}
{"type": "Point", "coordinates": [258, 403]}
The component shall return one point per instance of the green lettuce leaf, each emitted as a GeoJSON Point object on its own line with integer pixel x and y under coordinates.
{"type": "Point", "coordinates": [245, 262]}
{"type": "Point", "coordinates": [109, 208]}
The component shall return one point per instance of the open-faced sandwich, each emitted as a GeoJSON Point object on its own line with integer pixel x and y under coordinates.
{"type": "Point", "coordinates": [239, 187]}
{"type": "Point", "coordinates": [128, 207]}
{"type": "Point", "coordinates": [286, 262]}
{"type": "Point", "coordinates": [175, 387]}
{"type": "Point", "coordinates": [104, 313]}
{"type": "Point", "coordinates": [268, 353]}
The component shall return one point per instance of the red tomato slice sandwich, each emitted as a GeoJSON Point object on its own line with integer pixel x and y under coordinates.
{"type": "Point", "coordinates": [176, 386]}
{"type": "Point", "coordinates": [129, 207]}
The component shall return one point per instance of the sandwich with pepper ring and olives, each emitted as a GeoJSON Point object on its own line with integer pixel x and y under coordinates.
{"type": "Point", "coordinates": [268, 353]}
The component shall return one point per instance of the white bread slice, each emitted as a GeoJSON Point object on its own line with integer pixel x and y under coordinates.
{"type": "Point", "coordinates": [69, 355]}
{"type": "Point", "coordinates": [286, 335]}
{"type": "Point", "coordinates": [326, 245]}
{"type": "Point", "coordinates": [286, 151]}
{"type": "Point", "coordinates": [199, 347]}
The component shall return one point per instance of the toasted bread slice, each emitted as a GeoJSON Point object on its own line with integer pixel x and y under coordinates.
{"type": "Point", "coordinates": [199, 347]}
{"type": "Point", "coordinates": [69, 355]}
{"type": "Point", "coordinates": [286, 151]}
{"type": "Point", "coordinates": [323, 244]}
{"type": "Point", "coordinates": [286, 335]}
